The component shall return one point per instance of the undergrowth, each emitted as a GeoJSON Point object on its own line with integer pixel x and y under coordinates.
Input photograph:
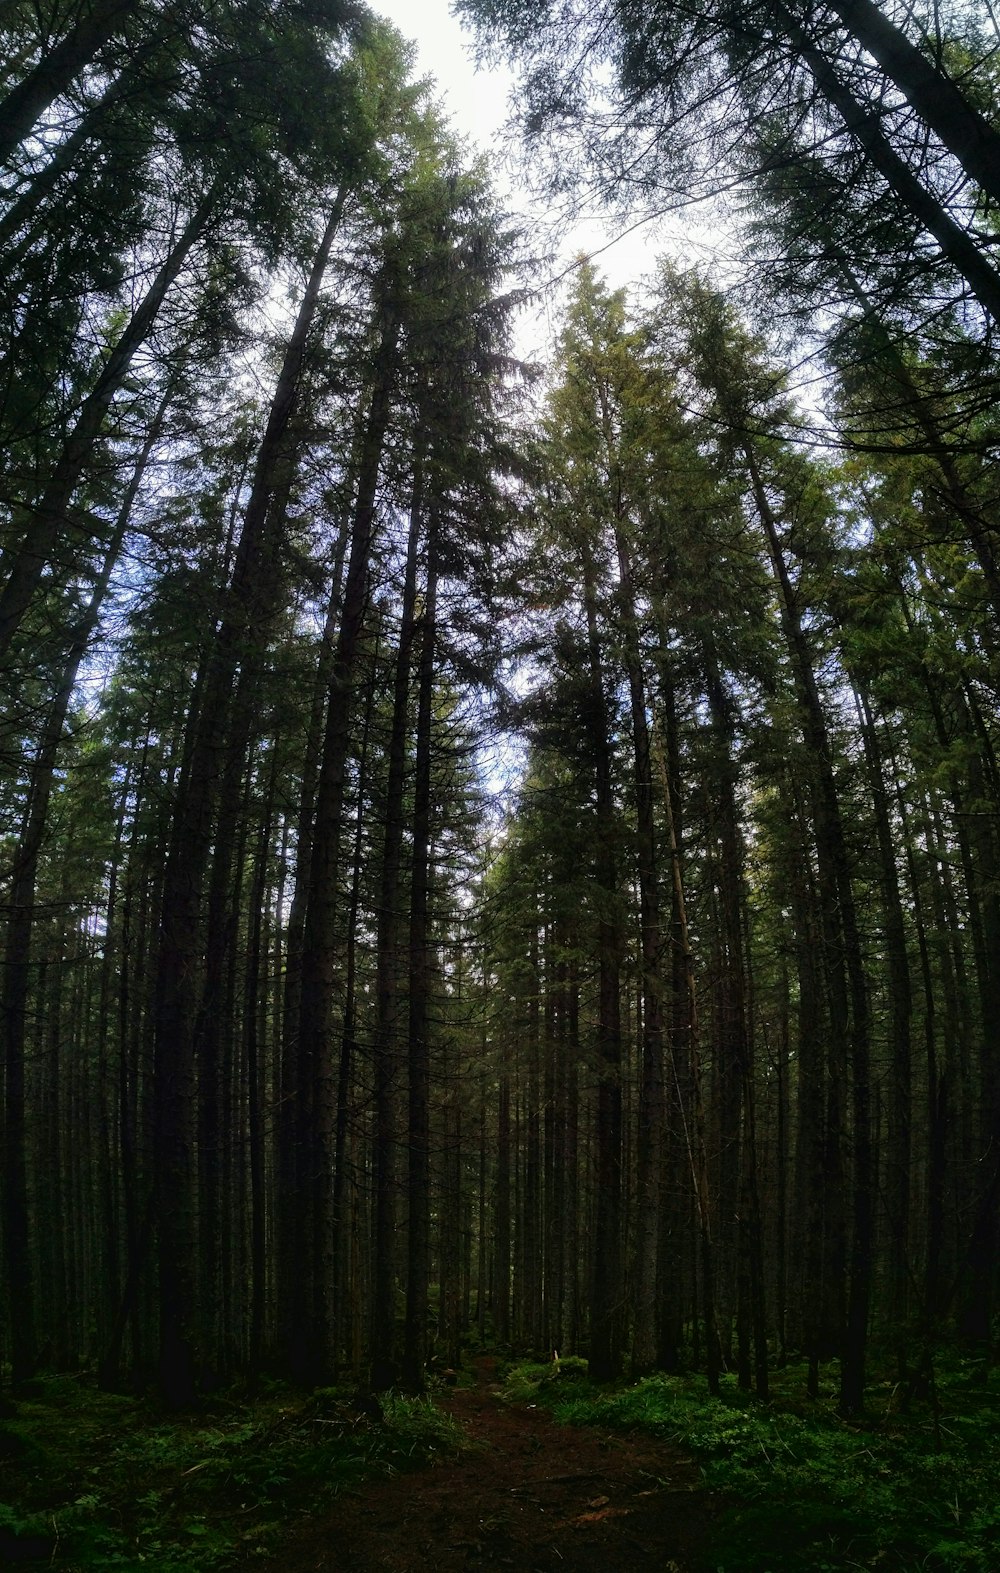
{"type": "Point", "coordinates": [95, 1481]}
{"type": "Point", "coordinates": [806, 1490]}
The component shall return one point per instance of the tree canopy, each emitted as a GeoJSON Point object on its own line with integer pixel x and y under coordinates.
{"type": "Point", "coordinates": [321, 1051]}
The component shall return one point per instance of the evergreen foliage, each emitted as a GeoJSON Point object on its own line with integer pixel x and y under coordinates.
{"type": "Point", "coordinates": [320, 1058]}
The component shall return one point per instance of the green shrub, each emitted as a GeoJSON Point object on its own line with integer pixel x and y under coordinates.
{"type": "Point", "coordinates": [809, 1491]}
{"type": "Point", "coordinates": [110, 1485]}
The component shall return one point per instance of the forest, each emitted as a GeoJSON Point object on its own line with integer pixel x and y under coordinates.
{"type": "Point", "coordinates": [495, 855]}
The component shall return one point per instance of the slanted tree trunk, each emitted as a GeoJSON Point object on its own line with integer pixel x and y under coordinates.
{"type": "Point", "coordinates": [961, 250]}
{"type": "Point", "coordinates": [933, 94]}
{"type": "Point", "coordinates": [26, 565]}
{"type": "Point", "coordinates": [19, 216]}
{"type": "Point", "coordinates": [57, 69]}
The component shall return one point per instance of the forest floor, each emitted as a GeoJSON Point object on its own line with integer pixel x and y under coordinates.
{"type": "Point", "coordinates": [519, 1465]}
{"type": "Point", "coordinates": [527, 1493]}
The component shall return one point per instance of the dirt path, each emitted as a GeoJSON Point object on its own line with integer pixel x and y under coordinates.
{"type": "Point", "coordinates": [529, 1494]}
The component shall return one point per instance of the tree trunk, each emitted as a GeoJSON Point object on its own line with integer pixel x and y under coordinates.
{"type": "Point", "coordinates": [964, 253]}
{"type": "Point", "coordinates": [57, 69]}
{"type": "Point", "coordinates": [61, 160]}
{"type": "Point", "coordinates": [348, 1055]}
{"type": "Point", "coordinates": [735, 1040]}
{"type": "Point", "coordinates": [649, 1179]}
{"type": "Point", "coordinates": [48, 515]}
{"type": "Point", "coordinates": [606, 1265]}
{"type": "Point", "coordinates": [294, 1108]}
{"type": "Point", "coordinates": [320, 935]}
{"type": "Point", "coordinates": [17, 953]}
{"type": "Point", "coordinates": [899, 1147]}
{"type": "Point", "coordinates": [847, 990]}
{"type": "Point", "coordinates": [418, 1125]}
{"type": "Point", "coordinates": [501, 1215]}
{"type": "Point", "coordinates": [220, 727]}
{"type": "Point", "coordinates": [695, 1133]}
{"type": "Point", "coordinates": [933, 94]}
{"type": "Point", "coordinates": [387, 1052]}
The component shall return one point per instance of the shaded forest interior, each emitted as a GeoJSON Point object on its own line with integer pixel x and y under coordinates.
{"type": "Point", "coordinates": [322, 1054]}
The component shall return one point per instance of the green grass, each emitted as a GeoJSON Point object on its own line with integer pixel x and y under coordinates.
{"type": "Point", "coordinates": [807, 1492]}
{"type": "Point", "coordinates": [94, 1481]}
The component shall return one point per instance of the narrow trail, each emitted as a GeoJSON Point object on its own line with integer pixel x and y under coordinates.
{"type": "Point", "coordinates": [528, 1494]}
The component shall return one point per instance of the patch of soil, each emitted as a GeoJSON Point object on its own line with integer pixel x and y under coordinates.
{"type": "Point", "coordinates": [528, 1494]}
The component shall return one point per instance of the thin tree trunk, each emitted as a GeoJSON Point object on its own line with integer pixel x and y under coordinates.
{"type": "Point", "coordinates": [418, 1125]}
{"type": "Point", "coordinates": [349, 1050]}
{"type": "Point", "coordinates": [19, 215]}
{"type": "Point", "coordinates": [961, 250]}
{"type": "Point", "coordinates": [17, 953]}
{"type": "Point", "coordinates": [899, 1151]}
{"type": "Point", "coordinates": [933, 94]}
{"type": "Point", "coordinates": [649, 1179]}
{"type": "Point", "coordinates": [48, 515]}
{"type": "Point", "coordinates": [320, 935]}
{"type": "Point", "coordinates": [571, 1232]}
{"type": "Point", "coordinates": [531, 1212]}
{"type": "Point", "coordinates": [294, 1108]}
{"type": "Point", "coordinates": [606, 1292]}
{"type": "Point", "coordinates": [736, 1028]}
{"type": "Point", "coordinates": [253, 1047]}
{"type": "Point", "coordinates": [845, 969]}
{"type": "Point", "coordinates": [694, 1132]}
{"type": "Point", "coordinates": [501, 1213]}
{"type": "Point", "coordinates": [675, 1213]}
{"type": "Point", "coordinates": [57, 69]}
{"type": "Point", "coordinates": [387, 1052]}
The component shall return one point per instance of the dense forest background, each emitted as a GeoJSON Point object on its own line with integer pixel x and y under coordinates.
{"type": "Point", "coordinates": [320, 1053]}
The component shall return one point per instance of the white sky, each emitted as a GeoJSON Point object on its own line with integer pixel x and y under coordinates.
{"type": "Point", "coordinates": [476, 103]}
